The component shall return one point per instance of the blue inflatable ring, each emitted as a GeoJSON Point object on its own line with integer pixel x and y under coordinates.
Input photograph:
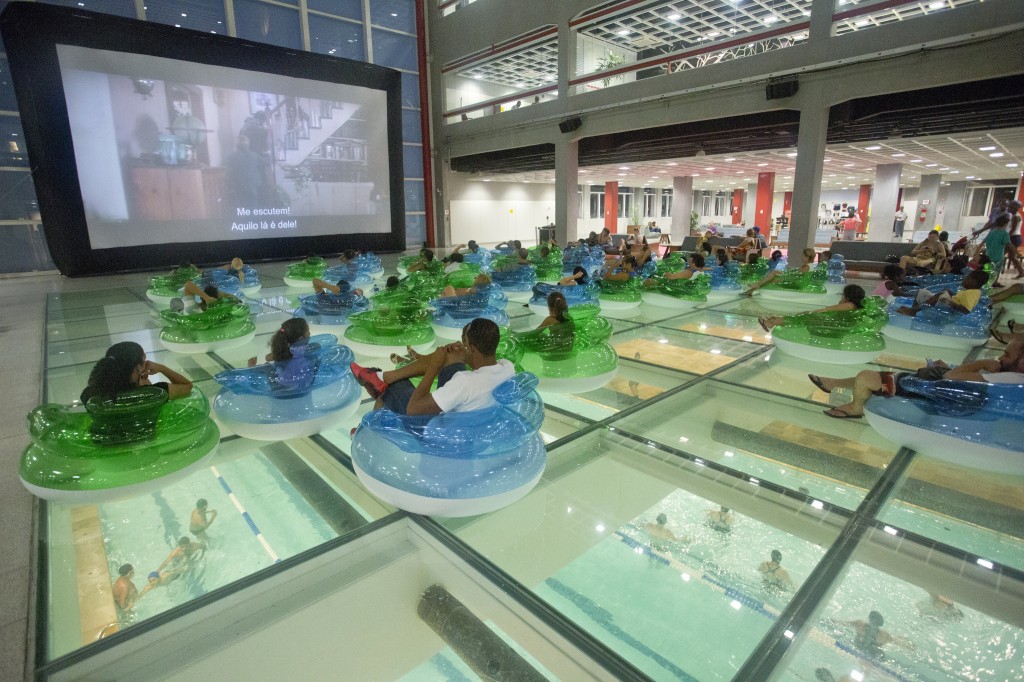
{"type": "Point", "coordinates": [328, 313]}
{"type": "Point", "coordinates": [575, 295]}
{"type": "Point", "coordinates": [455, 464]}
{"type": "Point", "coordinates": [939, 326]}
{"type": "Point", "coordinates": [970, 424]}
{"type": "Point", "coordinates": [290, 398]}
{"type": "Point", "coordinates": [453, 313]}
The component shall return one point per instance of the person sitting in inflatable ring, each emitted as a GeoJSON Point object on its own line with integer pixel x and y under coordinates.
{"type": "Point", "coordinates": [694, 267]}
{"type": "Point", "coordinates": [963, 301]}
{"type": "Point", "coordinates": [852, 299]}
{"type": "Point", "coordinates": [459, 388]}
{"type": "Point", "coordinates": [206, 296]}
{"type": "Point", "coordinates": [1007, 369]}
{"type": "Point", "coordinates": [124, 368]}
{"type": "Point", "coordinates": [481, 280]}
{"type": "Point", "coordinates": [342, 287]}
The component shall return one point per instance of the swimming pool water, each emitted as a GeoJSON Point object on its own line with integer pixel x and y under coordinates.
{"type": "Point", "coordinates": [142, 531]}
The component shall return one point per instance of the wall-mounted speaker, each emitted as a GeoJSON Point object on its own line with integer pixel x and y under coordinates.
{"type": "Point", "coordinates": [570, 124]}
{"type": "Point", "coordinates": [779, 88]}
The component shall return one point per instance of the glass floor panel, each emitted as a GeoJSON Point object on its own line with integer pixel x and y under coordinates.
{"type": "Point", "coordinates": [272, 501]}
{"type": "Point", "coordinates": [723, 324]}
{"type": "Point", "coordinates": [588, 542]}
{"type": "Point", "coordinates": [940, 620]}
{"type": "Point", "coordinates": [692, 353]}
{"type": "Point", "coordinates": [758, 306]}
{"type": "Point", "coordinates": [975, 511]}
{"type": "Point", "coordinates": [713, 419]}
{"type": "Point", "coordinates": [771, 438]}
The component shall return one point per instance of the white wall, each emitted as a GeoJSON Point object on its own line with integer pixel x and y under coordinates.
{"type": "Point", "coordinates": [492, 212]}
{"type": "Point", "coordinates": [460, 92]}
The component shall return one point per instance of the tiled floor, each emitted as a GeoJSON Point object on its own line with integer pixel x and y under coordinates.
{"type": "Point", "coordinates": [704, 414]}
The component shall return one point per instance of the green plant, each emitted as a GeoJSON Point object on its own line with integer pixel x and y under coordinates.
{"type": "Point", "coordinates": [610, 61]}
{"type": "Point", "coordinates": [694, 221]}
{"type": "Point", "coordinates": [634, 217]}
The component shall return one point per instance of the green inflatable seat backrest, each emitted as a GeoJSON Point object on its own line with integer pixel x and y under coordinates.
{"type": "Point", "coordinates": [129, 417]}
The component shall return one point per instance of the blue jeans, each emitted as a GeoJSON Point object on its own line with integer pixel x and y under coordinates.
{"type": "Point", "coordinates": [397, 395]}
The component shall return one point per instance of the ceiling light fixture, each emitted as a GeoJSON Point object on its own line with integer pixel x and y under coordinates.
{"type": "Point", "coordinates": [872, 148]}
{"type": "Point", "coordinates": [996, 155]}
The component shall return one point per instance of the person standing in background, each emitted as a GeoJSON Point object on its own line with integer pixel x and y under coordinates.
{"type": "Point", "coordinates": [898, 223]}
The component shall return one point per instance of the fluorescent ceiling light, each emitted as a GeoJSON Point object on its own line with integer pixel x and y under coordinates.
{"type": "Point", "coordinates": [872, 148]}
{"type": "Point", "coordinates": [996, 155]}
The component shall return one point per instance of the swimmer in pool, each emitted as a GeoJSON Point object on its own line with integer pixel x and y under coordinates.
{"type": "Point", "coordinates": [941, 609]}
{"type": "Point", "coordinates": [660, 535]}
{"type": "Point", "coordinates": [125, 592]}
{"type": "Point", "coordinates": [825, 675]}
{"type": "Point", "coordinates": [773, 575]}
{"type": "Point", "coordinates": [154, 579]}
{"type": "Point", "coordinates": [721, 519]}
{"type": "Point", "coordinates": [202, 517]}
{"type": "Point", "coordinates": [182, 556]}
{"type": "Point", "coordinates": [871, 637]}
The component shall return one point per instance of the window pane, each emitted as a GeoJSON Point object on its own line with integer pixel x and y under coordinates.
{"type": "Point", "coordinates": [352, 9]}
{"type": "Point", "coordinates": [415, 229]}
{"type": "Point", "coordinates": [977, 203]}
{"type": "Point", "coordinates": [414, 195]}
{"type": "Point", "coordinates": [199, 15]}
{"type": "Point", "coordinates": [411, 90]}
{"type": "Point", "coordinates": [394, 50]}
{"type": "Point", "coordinates": [19, 197]}
{"type": "Point", "coordinates": [411, 130]}
{"type": "Point", "coordinates": [268, 24]}
{"type": "Point", "coordinates": [24, 249]}
{"type": "Point", "coordinates": [12, 143]}
{"type": "Point", "coordinates": [8, 101]}
{"type": "Point", "coordinates": [397, 14]}
{"type": "Point", "coordinates": [336, 37]}
{"type": "Point", "coordinates": [121, 8]}
{"type": "Point", "coordinates": [412, 161]}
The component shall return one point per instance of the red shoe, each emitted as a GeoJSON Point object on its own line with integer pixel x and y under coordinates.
{"type": "Point", "coordinates": [368, 379]}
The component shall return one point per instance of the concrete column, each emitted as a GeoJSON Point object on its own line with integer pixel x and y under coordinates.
{"type": "Point", "coordinates": [927, 199]}
{"type": "Point", "coordinates": [810, 147]}
{"type": "Point", "coordinates": [748, 204]}
{"type": "Point", "coordinates": [682, 206]}
{"type": "Point", "coordinates": [884, 202]}
{"type": "Point", "coordinates": [763, 203]}
{"type": "Point", "coordinates": [954, 206]}
{"type": "Point", "coordinates": [611, 205]}
{"type": "Point", "coordinates": [566, 179]}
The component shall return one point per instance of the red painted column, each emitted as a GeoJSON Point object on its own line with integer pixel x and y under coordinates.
{"type": "Point", "coordinates": [863, 200]}
{"type": "Point", "coordinates": [1020, 189]}
{"type": "Point", "coordinates": [611, 206]}
{"type": "Point", "coordinates": [787, 204]}
{"type": "Point", "coordinates": [763, 204]}
{"type": "Point", "coordinates": [737, 206]}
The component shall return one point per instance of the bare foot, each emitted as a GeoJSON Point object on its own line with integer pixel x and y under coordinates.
{"type": "Point", "coordinates": [413, 354]}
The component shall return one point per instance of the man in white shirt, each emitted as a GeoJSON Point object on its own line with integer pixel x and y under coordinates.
{"type": "Point", "coordinates": [458, 389]}
{"type": "Point", "coordinates": [898, 223]}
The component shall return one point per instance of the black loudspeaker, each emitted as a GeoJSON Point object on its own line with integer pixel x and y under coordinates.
{"type": "Point", "coordinates": [570, 124]}
{"type": "Point", "coordinates": [778, 88]}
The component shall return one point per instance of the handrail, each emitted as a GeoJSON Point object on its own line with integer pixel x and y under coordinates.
{"type": "Point", "coordinates": [103, 631]}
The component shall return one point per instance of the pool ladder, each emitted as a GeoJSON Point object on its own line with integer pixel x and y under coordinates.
{"type": "Point", "coordinates": [105, 631]}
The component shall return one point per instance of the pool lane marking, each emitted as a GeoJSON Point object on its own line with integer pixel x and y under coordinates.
{"type": "Point", "coordinates": [245, 516]}
{"type": "Point", "coordinates": [753, 603]}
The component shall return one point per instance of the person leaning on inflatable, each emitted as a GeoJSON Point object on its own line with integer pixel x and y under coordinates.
{"type": "Point", "coordinates": [1007, 369]}
{"type": "Point", "coordinates": [459, 388]}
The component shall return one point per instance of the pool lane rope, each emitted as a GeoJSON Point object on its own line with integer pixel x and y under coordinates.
{"type": "Point", "coordinates": [245, 515]}
{"type": "Point", "coordinates": [753, 603]}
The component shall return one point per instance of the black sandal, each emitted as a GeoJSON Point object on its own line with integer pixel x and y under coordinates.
{"type": "Point", "coordinates": [1012, 326]}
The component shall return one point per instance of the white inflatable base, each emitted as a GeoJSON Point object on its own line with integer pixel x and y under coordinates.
{"type": "Point", "coordinates": [834, 288]}
{"type": "Point", "coordinates": [72, 497]}
{"type": "Point", "coordinates": [794, 296]}
{"type": "Point", "coordinates": [252, 290]}
{"type": "Point", "coordinates": [657, 300]}
{"type": "Point", "coordinates": [518, 296]}
{"type": "Point", "coordinates": [372, 350]}
{"type": "Point", "coordinates": [161, 301]}
{"type": "Point", "coordinates": [932, 340]}
{"type": "Point", "coordinates": [208, 347]}
{"type": "Point", "coordinates": [299, 283]}
{"type": "Point", "coordinates": [945, 448]}
{"type": "Point", "coordinates": [827, 355]}
{"type": "Point", "coordinates": [609, 306]}
{"type": "Point", "coordinates": [336, 329]}
{"type": "Point", "coordinates": [284, 431]}
{"type": "Point", "coordinates": [446, 333]}
{"type": "Point", "coordinates": [1013, 310]}
{"type": "Point", "coordinates": [719, 295]}
{"type": "Point", "coordinates": [444, 507]}
{"type": "Point", "coordinates": [575, 384]}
